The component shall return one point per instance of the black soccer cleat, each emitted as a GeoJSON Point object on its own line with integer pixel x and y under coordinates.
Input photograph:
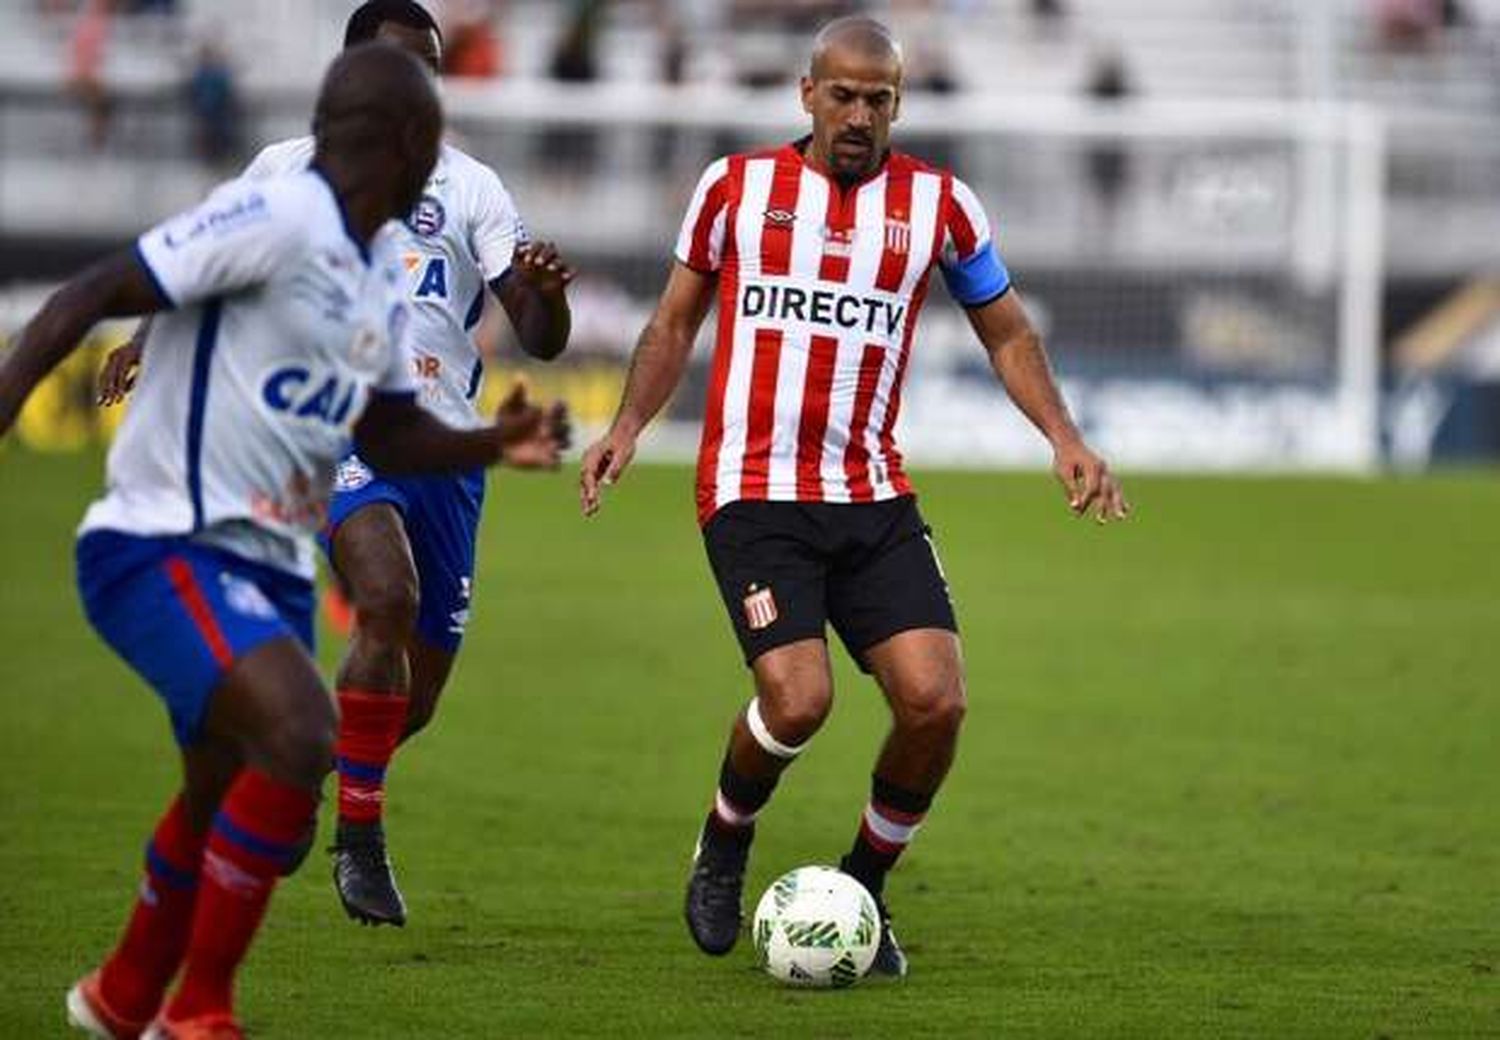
{"type": "Point", "coordinates": [890, 958]}
{"type": "Point", "coordinates": [362, 875]}
{"type": "Point", "coordinates": [714, 888]}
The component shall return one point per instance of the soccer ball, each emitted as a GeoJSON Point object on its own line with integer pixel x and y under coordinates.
{"type": "Point", "coordinates": [817, 927]}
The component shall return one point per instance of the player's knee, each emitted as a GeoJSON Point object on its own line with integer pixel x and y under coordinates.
{"type": "Point", "coordinates": [386, 607]}
{"type": "Point", "coordinates": [794, 711]}
{"type": "Point", "coordinates": [299, 749]}
{"type": "Point", "coordinates": [933, 706]}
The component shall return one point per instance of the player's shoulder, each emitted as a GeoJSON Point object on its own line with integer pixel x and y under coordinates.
{"type": "Point", "coordinates": [471, 174]}
{"type": "Point", "coordinates": [912, 163]}
{"type": "Point", "coordinates": [726, 163]}
{"type": "Point", "coordinates": [284, 199]}
{"type": "Point", "coordinates": [282, 157]}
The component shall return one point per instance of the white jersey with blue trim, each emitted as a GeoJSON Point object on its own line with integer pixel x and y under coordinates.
{"type": "Point", "coordinates": [457, 240]}
{"type": "Point", "coordinates": [282, 325]}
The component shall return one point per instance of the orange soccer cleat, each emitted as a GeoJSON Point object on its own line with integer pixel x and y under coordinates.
{"type": "Point", "coordinates": [88, 1012]}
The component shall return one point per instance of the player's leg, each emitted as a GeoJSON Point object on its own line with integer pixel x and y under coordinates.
{"type": "Point", "coordinates": [770, 569]}
{"type": "Point", "coordinates": [371, 553]}
{"type": "Point", "coordinates": [126, 992]}
{"type": "Point", "coordinates": [430, 668]}
{"type": "Point", "coordinates": [442, 520]}
{"type": "Point", "coordinates": [410, 573]}
{"type": "Point", "coordinates": [893, 611]}
{"type": "Point", "coordinates": [275, 705]}
{"type": "Point", "coordinates": [793, 694]}
{"type": "Point", "coordinates": [192, 623]}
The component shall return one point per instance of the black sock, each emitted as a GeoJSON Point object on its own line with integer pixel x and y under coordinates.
{"type": "Point", "coordinates": [737, 801]}
{"type": "Point", "coordinates": [885, 829]}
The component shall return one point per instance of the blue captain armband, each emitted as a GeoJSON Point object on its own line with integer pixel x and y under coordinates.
{"type": "Point", "coordinates": [980, 279]}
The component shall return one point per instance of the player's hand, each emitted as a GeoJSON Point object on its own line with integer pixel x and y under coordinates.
{"type": "Point", "coordinates": [117, 378]}
{"type": "Point", "coordinates": [531, 437]}
{"type": "Point", "coordinates": [541, 265]}
{"type": "Point", "coordinates": [603, 464]}
{"type": "Point", "coordinates": [1088, 483]}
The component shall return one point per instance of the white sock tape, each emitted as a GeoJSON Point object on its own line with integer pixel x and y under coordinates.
{"type": "Point", "coordinates": [764, 737]}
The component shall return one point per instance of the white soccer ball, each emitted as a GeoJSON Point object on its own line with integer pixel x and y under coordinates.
{"type": "Point", "coordinates": [818, 927]}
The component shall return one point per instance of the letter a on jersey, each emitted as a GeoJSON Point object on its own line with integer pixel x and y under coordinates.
{"type": "Point", "coordinates": [434, 284]}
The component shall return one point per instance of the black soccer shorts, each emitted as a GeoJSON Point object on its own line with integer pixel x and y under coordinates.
{"type": "Point", "coordinates": [787, 569]}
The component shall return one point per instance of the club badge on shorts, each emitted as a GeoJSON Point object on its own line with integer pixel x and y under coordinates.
{"type": "Point", "coordinates": [760, 608]}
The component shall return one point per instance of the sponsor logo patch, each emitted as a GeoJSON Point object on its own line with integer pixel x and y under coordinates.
{"type": "Point", "coordinates": [879, 315]}
{"type": "Point", "coordinates": [781, 217]}
{"type": "Point", "coordinates": [760, 608]}
{"type": "Point", "coordinates": [838, 242]}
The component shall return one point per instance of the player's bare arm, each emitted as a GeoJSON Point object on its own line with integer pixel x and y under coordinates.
{"type": "Point", "coordinates": [396, 435]}
{"type": "Point", "coordinates": [661, 355]}
{"type": "Point", "coordinates": [115, 287]}
{"type": "Point", "coordinates": [534, 295]}
{"type": "Point", "coordinates": [1020, 360]}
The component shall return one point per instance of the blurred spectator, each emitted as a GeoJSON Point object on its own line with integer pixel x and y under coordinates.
{"type": "Point", "coordinates": [1410, 25]}
{"type": "Point", "coordinates": [471, 47]}
{"type": "Point", "coordinates": [672, 35]}
{"type": "Point", "coordinates": [920, 27]}
{"type": "Point", "coordinates": [575, 59]}
{"type": "Point", "coordinates": [86, 54]}
{"type": "Point", "coordinates": [1107, 164]}
{"type": "Point", "coordinates": [1049, 18]}
{"type": "Point", "coordinates": [214, 102]}
{"type": "Point", "coordinates": [769, 36]}
{"type": "Point", "coordinates": [672, 56]}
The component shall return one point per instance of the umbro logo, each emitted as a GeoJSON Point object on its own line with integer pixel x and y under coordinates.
{"type": "Point", "coordinates": [780, 217]}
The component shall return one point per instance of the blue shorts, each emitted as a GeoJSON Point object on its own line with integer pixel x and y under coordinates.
{"type": "Point", "coordinates": [441, 516]}
{"type": "Point", "coordinates": [181, 614]}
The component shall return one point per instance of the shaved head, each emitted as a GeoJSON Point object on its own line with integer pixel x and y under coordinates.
{"type": "Point", "coordinates": [378, 113]}
{"type": "Point", "coordinates": [858, 36]}
{"type": "Point", "coordinates": [852, 90]}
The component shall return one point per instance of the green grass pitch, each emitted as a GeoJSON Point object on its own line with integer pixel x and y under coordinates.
{"type": "Point", "coordinates": [1232, 770]}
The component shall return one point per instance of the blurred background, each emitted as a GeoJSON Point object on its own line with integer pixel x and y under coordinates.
{"type": "Point", "coordinates": [1258, 234]}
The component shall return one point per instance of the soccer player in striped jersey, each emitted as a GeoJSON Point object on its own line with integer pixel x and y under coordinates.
{"type": "Point", "coordinates": [819, 254]}
{"type": "Point", "coordinates": [405, 547]}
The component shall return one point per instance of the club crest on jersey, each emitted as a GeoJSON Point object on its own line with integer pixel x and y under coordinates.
{"type": "Point", "coordinates": [898, 235]}
{"type": "Point", "coordinates": [781, 217]}
{"type": "Point", "coordinates": [351, 475]}
{"type": "Point", "coordinates": [760, 608]}
{"type": "Point", "coordinates": [428, 217]}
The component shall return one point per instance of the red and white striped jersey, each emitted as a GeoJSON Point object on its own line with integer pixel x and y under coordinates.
{"type": "Point", "coordinates": [819, 292]}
